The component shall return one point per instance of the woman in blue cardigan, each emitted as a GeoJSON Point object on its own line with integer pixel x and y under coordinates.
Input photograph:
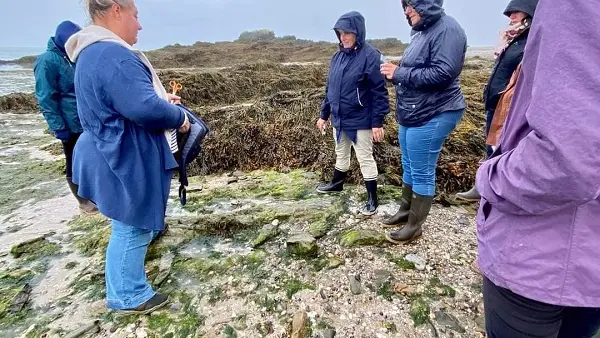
{"type": "Point", "coordinates": [124, 159]}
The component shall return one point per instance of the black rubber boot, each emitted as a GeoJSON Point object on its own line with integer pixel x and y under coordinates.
{"type": "Point", "coordinates": [370, 207]}
{"type": "Point", "coordinates": [401, 216]}
{"type": "Point", "coordinates": [336, 184]}
{"type": "Point", "coordinates": [84, 205]}
{"type": "Point", "coordinates": [419, 209]}
{"type": "Point", "coordinates": [469, 196]}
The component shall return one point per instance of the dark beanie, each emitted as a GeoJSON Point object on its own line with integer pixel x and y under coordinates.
{"type": "Point", "coordinates": [63, 32]}
{"type": "Point", "coordinates": [525, 6]}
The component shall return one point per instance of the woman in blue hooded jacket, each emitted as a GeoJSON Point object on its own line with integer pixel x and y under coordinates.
{"type": "Point", "coordinates": [429, 106]}
{"type": "Point", "coordinates": [124, 158]}
{"type": "Point", "coordinates": [357, 101]}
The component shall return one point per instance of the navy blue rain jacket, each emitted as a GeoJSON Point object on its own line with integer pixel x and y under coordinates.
{"type": "Point", "coordinates": [356, 95]}
{"type": "Point", "coordinates": [427, 81]}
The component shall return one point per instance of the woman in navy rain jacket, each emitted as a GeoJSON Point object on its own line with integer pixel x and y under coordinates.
{"type": "Point", "coordinates": [357, 101]}
{"type": "Point", "coordinates": [429, 106]}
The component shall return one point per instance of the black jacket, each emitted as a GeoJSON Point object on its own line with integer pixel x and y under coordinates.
{"type": "Point", "coordinates": [506, 64]}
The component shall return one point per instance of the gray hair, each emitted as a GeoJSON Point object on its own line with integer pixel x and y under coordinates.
{"type": "Point", "coordinates": [97, 8]}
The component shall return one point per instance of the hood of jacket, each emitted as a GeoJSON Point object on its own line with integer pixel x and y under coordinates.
{"type": "Point", "coordinates": [52, 47]}
{"type": "Point", "coordinates": [352, 22]}
{"type": "Point", "coordinates": [430, 11]}
{"type": "Point", "coordinates": [525, 6]}
{"type": "Point", "coordinates": [89, 35]}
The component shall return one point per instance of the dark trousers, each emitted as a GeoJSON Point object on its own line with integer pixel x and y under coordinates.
{"type": "Point", "coordinates": [508, 315]}
{"type": "Point", "coordinates": [68, 147]}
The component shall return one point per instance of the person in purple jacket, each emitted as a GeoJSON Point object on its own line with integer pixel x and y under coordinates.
{"type": "Point", "coordinates": [539, 219]}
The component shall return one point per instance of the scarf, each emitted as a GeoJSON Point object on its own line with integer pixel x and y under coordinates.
{"type": "Point", "coordinates": [509, 35]}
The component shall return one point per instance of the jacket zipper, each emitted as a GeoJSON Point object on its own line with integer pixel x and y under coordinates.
{"type": "Point", "coordinates": [68, 61]}
{"type": "Point", "coordinates": [358, 95]}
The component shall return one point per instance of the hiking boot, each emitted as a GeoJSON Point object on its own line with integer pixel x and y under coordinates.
{"type": "Point", "coordinates": [336, 184]}
{"type": "Point", "coordinates": [370, 207]}
{"type": "Point", "coordinates": [419, 209]}
{"type": "Point", "coordinates": [85, 205]}
{"type": "Point", "coordinates": [153, 304]}
{"type": "Point", "coordinates": [469, 196]}
{"type": "Point", "coordinates": [401, 216]}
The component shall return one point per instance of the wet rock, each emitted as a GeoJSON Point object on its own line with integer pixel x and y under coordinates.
{"type": "Point", "coordinates": [268, 232]}
{"type": "Point", "coordinates": [319, 229]}
{"type": "Point", "coordinates": [195, 187]}
{"type": "Point", "coordinates": [382, 276]}
{"type": "Point", "coordinates": [355, 284]}
{"type": "Point", "coordinates": [463, 220]}
{"type": "Point", "coordinates": [300, 325]}
{"type": "Point", "coordinates": [329, 333]}
{"type": "Point", "coordinates": [447, 320]}
{"type": "Point", "coordinates": [229, 332]}
{"type": "Point", "coordinates": [265, 328]}
{"type": "Point", "coordinates": [238, 173]}
{"type": "Point", "coordinates": [303, 245]}
{"type": "Point", "coordinates": [90, 328]}
{"type": "Point", "coordinates": [334, 262]}
{"type": "Point", "coordinates": [361, 238]}
{"type": "Point", "coordinates": [417, 260]}
{"type": "Point", "coordinates": [20, 300]}
{"type": "Point", "coordinates": [164, 269]}
{"type": "Point", "coordinates": [405, 289]}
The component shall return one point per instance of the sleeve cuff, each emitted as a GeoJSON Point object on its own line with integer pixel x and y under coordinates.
{"type": "Point", "coordinates": [399, 76]}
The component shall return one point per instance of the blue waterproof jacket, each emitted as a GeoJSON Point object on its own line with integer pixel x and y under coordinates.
{"type": "Point", "coordinates": [427, 81]}
{"type": "Point", "coordinates": [356, 96]}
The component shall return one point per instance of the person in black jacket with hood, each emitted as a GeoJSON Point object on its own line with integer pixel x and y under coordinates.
{"type": "Point", "coordinates": [429, 106]}
{"type": "Point", "coordinates": [357, 101]}
{"type": "Point", "coordinates": [508, 57]}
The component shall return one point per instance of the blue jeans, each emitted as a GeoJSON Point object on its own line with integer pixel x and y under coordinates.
{"type": "Point", "coordinates": [126, 285]}
{"type": "Point", "coordinates": [421, 148]}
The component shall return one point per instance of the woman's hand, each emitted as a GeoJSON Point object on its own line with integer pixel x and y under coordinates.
{"type": "Point", "coordinates": [378, 134]}
{"type": "Point", "coordinates": [388, 69]}
{"type": "Point", "coordinates": [185, 127]}
{"type": "Point", "coordinates": [174, 99]}
{"type": "Point", "coordinates": [321, 124]}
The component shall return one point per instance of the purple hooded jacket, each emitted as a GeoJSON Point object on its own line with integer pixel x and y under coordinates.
{"type": "Point", "coordinates": [539, 219]}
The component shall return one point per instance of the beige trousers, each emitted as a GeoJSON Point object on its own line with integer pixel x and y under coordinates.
{"type": "Point", "coordinates": [363, 150]}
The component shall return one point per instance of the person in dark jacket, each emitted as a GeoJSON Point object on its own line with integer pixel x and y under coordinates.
{"type": "Point", "coordinates": [357, 101]}
{"type": "Point", "coordinates": [429, 106]}
{"type": "Point", "coordinates": [55, 92]}
{"type": "Point", "coordinates": [508, 58]}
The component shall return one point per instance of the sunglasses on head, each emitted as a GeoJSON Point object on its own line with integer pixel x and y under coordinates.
{"type": "Point", "coordinates": [406, 3]}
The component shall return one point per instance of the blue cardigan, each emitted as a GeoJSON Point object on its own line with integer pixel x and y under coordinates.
{"type": "Point", "coordinates": [122, 160]}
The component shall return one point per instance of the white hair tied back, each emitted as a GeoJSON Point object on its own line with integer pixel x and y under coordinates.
{"type": "Point", "coordinates": [97, 8]}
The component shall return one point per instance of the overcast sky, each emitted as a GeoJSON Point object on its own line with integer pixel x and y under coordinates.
{"type": "Point", "coordinates": [29, 23]}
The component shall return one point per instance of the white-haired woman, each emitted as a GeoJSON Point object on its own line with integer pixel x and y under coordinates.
{"type": "Point", "coordinates": [123, 161]}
